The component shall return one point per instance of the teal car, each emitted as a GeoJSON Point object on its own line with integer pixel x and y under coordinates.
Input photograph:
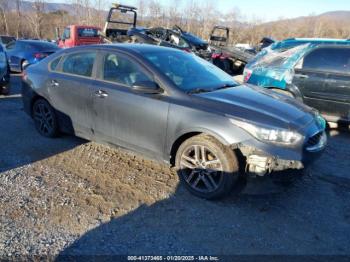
{"type": "Point", "coordinates": [316, 73]}
{"type": "Point", "coordinates": [294, 42]}
{"type": "Point", "coordinates": [272, 67]}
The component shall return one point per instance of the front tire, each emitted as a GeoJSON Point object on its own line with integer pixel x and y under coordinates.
{"type": "Point", "coordinates": [206, 167]}
{"type": "Point", "coordinates": [45, 119]}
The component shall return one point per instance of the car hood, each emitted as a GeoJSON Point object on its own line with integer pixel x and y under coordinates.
{"type": "Point", "coordinates": [260, 106]}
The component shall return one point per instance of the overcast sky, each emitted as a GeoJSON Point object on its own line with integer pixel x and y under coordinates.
{"type": "Point", "coordinates": [265, 9]}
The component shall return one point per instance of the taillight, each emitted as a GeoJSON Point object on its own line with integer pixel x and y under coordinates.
{"type": "Point", "coordinates": [247, 74]}
{"type": "Point", "coordinates": [215, 55]}
{"type": "Point", "coordinates": [40, 55]}
{"type": "Point", "coordinates": [187, 50]}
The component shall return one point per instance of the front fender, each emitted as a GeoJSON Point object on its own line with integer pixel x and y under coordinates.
{"type": "Point", "coordinates": [186, 120]}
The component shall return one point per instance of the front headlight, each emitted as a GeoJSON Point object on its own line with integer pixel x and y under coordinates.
{"type": "Point", "coordinates": [271, 135]}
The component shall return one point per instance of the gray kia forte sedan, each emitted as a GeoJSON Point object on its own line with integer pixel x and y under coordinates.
{"type": "Point", "coordinates": [175, 107]}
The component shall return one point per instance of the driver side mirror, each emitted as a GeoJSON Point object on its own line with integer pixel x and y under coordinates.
{"type": "Point", "coordinates": [147, 87]}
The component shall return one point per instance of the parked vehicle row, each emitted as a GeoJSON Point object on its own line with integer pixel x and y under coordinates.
{"type": "Point", "coordinates": [176, 107]}
{"type": "Point", "coordinates": [228, 58]}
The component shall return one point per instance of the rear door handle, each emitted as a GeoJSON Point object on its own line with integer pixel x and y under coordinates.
{"type": "Point", "coordinates": [101, 94]}
{"type": "Point", "coordinates": [54, 83]}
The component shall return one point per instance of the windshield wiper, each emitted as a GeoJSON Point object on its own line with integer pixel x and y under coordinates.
{"type": "Point", "coordinates": [224, 86]}
{"type": "Point", "coordinates": [198, 90]}
{"type": "Point", "coordinates": [203, 90]}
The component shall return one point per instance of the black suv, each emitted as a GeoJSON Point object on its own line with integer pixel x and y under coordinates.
{"type": "Point", "coordinates": [322, 79]}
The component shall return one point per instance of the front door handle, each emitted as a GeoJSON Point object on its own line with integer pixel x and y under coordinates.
{"type": "Point", "coordinates": [101, 94]}
{"type": "Point", "coordinates": [301, 76]}
{"type": "Point", "coordinates": [54, 83]}
{"type": "Point", "coordinates": [331, 81]}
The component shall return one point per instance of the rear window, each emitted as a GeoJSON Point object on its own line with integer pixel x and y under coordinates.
{"type": "Point", "coordinates": [79, 63]}
{"type": "Point", "coordinates": [54, 64]}
{"type": "Point", "coordinates": [328, 59]}
{"type": "Point", "coordinates": [88, 32]}
{"type": "Point", "coordinates": [43, 46]}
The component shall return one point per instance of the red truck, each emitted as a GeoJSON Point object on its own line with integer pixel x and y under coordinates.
{"type": "Point", "coordinates": [75, 35]}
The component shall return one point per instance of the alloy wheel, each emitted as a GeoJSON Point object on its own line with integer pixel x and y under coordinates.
{"type": "Point", "coordinates": [43, 118]}
{"type": "Point", "coordinates": [201, 168]}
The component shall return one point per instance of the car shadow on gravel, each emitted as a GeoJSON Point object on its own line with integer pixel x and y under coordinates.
{"type": "Point", "coordinates": [20, 143]}
{"type": "Point", "coordinates": [294, 221]}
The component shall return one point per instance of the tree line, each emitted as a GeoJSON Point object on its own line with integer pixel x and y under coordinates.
{"type": "Point", "coordinates": [197, 17]}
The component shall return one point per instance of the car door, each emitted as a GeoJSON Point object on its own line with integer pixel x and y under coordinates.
{"type": "Point", "coordinates": [67, 38]}
{"type": "Point", "coordinates": [337, 84]}
{"type": "Point", "coordinates": [3, 65]}
{"type": "Point", "coordinates": [124, 117]}
{"type": "Point", "coordinates": [13, 51]}
{"type": "Point", "coordinates": [322, 81]}
{"type": "Point", "coordinates": [70, 88]}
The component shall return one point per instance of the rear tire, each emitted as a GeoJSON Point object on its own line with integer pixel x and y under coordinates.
{"type": "Point", "coordinates": [206, 167]}
{"type": "Point", "coordinates": [4, 90]}
{"type": "Point", "coordinates": [45, 118]}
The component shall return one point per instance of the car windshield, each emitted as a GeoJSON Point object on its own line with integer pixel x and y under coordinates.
{"type": "Point", "coordinates": [189, 72]}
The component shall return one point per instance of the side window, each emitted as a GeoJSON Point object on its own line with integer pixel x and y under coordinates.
{"type": "Point", "coordinates": [54, 63]}
{"type": "Point", "coordinates": [121, 70]}
{"type": "Point", "coordinates": [79, 63]}
{"type": "Point", "coordinates": [66, 33]}
{"type": "Point", "coordinates": [328, 59]}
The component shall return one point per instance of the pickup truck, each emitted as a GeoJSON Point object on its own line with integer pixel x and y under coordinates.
{"type": "Point", "coordinates": [76, 35]}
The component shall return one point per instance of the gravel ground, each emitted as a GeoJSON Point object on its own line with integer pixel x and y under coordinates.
{"type": "Point", "coordinates": [68, 196]}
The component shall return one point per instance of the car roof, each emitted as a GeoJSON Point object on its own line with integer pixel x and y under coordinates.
{"type": "Point", "coordinates": [133, 48]}
{"type": "Point", "coordinates": [315, 40]}
{"type": "Point", "coordinates": [32, 41]}
{"type": "Point", "coordinates": [84, 26]}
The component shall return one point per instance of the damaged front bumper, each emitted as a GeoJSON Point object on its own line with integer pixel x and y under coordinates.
{"type": "Point", "coordinates": [261, 161]}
